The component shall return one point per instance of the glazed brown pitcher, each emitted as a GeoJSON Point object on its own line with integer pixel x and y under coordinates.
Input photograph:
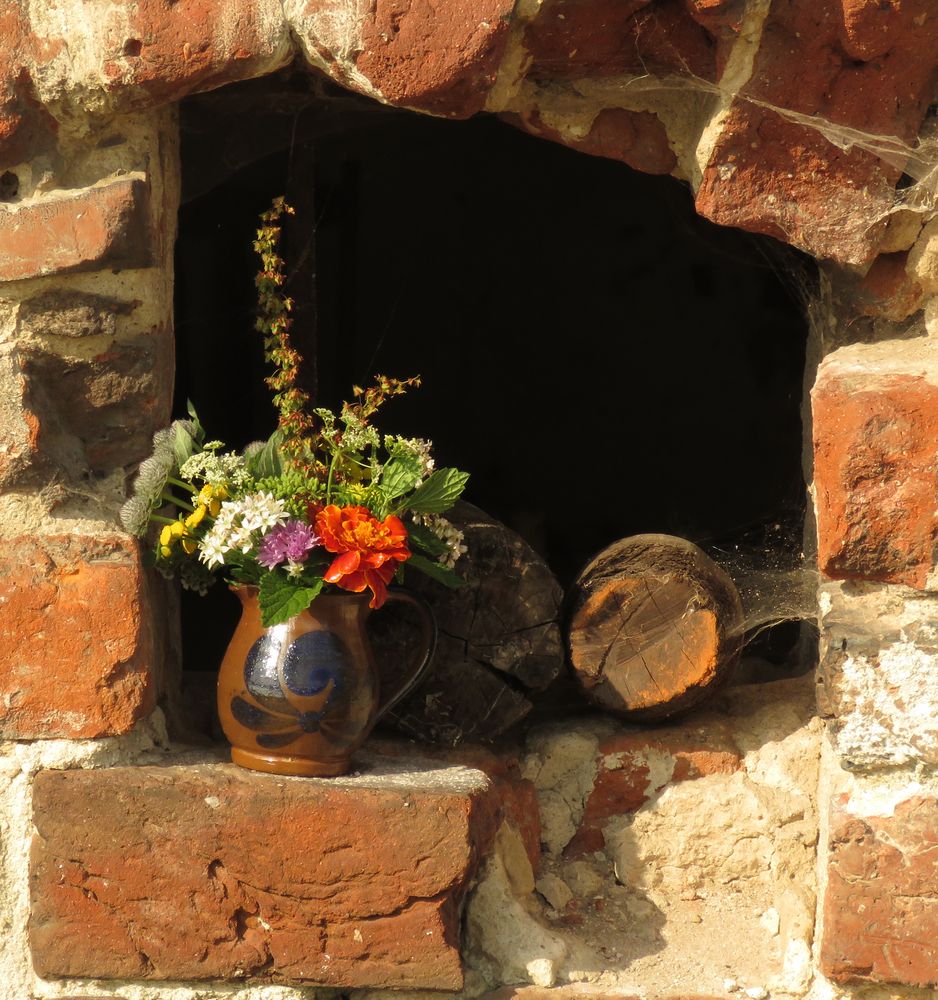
{"type": "Point", "coordinates": [301, 697]}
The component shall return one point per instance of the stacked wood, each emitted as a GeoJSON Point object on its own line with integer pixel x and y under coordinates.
{"type": "Point", "coordinates": [499, 638]}
{"type": "Point", "coordinates": [655, 627]}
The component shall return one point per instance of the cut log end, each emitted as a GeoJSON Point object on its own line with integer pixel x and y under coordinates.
{"type": "Point", "coordinates": [655, 626]}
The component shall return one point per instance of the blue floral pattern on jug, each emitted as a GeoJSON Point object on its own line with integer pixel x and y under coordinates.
{"type": "Point", "coordinates": [293, 684]}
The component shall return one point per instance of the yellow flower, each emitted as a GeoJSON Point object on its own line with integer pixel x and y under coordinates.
{"type": "Point", "coordinates": [165, 538]}
{"type": "Point", "coordinates": [165, 551]}
{"type": "Point", "coordinates": [189, 545]}
{"type": "Point", "coordinates": [195, 518]}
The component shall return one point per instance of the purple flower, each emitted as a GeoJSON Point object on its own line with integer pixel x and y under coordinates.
{"type": "Point", "coordinates": [290, 541]}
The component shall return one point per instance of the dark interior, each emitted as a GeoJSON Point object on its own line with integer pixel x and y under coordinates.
{"type": "Point", "coordinates": [600, 358]}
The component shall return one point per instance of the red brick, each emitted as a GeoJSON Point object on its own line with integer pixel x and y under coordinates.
{"type": "Point", "coordinates": [637, 138]}
{"type": "Point", "coordinates": [776, 176]}
{"type": "Point", "coordinates": [102, 226]}
{"type": "Point", "coordinates": [434, 57]}
{"type": "Point", "coordinates": [570, 39]}
{"type": "Point", "coordinates": [880, 919]}
{"type": "Point", "coordinates": [875, 416]}
{"type": "Point", "coordinates": [213, 872]}
{"type": "Point", "coordinates": [169, 50]}
{"type": "Point", "coordinates": [771, 176]}
{"type": "Point", "coordinates": [887, 291]}
{"type": "Point", "coordinates": [624, 777]}
{"type": "Point", "coordinates": [78, 657]}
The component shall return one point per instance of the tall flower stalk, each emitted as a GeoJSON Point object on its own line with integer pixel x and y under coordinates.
{"type": "Point", "coordinates": [326, 503]}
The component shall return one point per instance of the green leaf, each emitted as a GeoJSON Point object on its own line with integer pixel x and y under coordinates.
{"type": "Point", "coordinates": [439, 492]}
{"type": "Point", "coordinates": [400, 475]}
{"type": "Point", "coordinates": [267, 462]}
{"type": "Point", "coordinates": [436, 572]}
{"type": "Point", "coordinates": [185, 442]}
{"type": "Point", "coordinates": [425, 540]}
{"type": "Point", "coordinates": [281, 599]}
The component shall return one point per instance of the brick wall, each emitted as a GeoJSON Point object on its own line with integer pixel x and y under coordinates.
{"type": "Point", "coordinates": [797, 119]}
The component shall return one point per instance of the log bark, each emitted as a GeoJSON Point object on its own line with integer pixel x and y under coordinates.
{"type": "Point", "coordinates": [500, 638]}
{"type": "Point", "coordinates": [654, 627]}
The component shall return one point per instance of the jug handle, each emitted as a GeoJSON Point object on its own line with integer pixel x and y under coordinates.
{"type": "Point", "coordinates": [428, 633]}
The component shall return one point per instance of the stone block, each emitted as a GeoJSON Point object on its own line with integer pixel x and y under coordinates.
{"type": "Point", "coordinates": [170, 50]}
{"type": "Point", "coordinates": [71, 314]}
{"type": "Point", "coordinates": [769, 175]}
{"type": "Point", "coordinates": [814, 174]}
{"type": "Point", "coordinates": [637, 138]}
{"type": "Point", "coordinates": [880, 919]}
{"type": "Point", "coordinates": [105, 226]}
{"type": "Point", "coordinates": [19, 426]}
{"type": "Point", "coordinates": [876, 679]}
{"type": "Point", "coordinates": [208, 871]}
{"type": "Point", "coordinates": [635, 766]}
{"type": "Point", "coordinates": [875, 415]}
{"type": "Point", "coordinates": [441, 58]}
{"type": "Point", "coordinates": [78, 649]}
{"type": "Point", "coordinates": [888, 291]}
{"type": "Point", "coordinates": [107, 405]}
{"type": "Point", "coordinates": [572, 40]}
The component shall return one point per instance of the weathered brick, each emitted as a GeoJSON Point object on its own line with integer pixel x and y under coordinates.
{"type": "Point", "coordinates": [433, 57]}
{"type": "Point", "coordinates": [170, 50]}
{"type": "Point", "coordinates": [65, 313]}
{"type": "Point", "coordinates": [875, 415]}
{"type": "Point", "coordinates": [637, 138]}
{"type": "Point", "coordinates": [887, 291]}
{"type": "Point", "coordinates": [19, 427]}
{"type": "Point", "coordinates": [102, 226]}
{"type": "Point", "coordinates": [109, 405]}
{"type": "Point", "coordinates": [569, 39]}
{"type": "Point", "coordinates": [77, 642]}
{"type": "Point", "coordinates": [635, 765]}
{"type": "Point", "coordinates": [846, 63]}
{"type": "Point", "coordinates": [879, 658]}
{"type": "Point", "coordinates": [213, 872]}
{"type": "Point", "coordinates": [880, 919]}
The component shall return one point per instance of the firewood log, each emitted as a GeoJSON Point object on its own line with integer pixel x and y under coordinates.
{"type": "Point", "coordinates": [499, 638]}
{"type": "Point", "coordinates": [654, 627]}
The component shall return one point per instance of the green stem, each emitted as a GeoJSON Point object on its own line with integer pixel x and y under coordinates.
{"type": "Point", "coordinates": [180, 483]}
{"type": "Point", "coordinates": [166, 495]}
{"type": "Point", "coordinates": [161, 519]}
{"type": "Point", "coordinates": [335, 458]}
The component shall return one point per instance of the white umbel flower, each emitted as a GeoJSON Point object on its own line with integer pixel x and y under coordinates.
{"type": "Point", "coordinates": [238, 524]}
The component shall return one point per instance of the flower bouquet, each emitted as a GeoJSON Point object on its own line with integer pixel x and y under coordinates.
{"type": "Point", "coordinates": [326, 503]}
{"type": "Point", "coordinates": [309, 528]}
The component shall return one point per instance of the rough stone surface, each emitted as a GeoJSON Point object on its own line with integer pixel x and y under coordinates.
{"type": "Point", "coordinates": [880, 921]}
{"type": "Point", "coordinates": [569, 40]}
{"type": "Point", "coordinates": [71, 314]}
{"type": "Point", "coordinates": [727, 857]}
{"type": "Point", "coordinates": [210, 872]}
{"type": "Point", "coordinates": [875, 414]}
{"type": "Point", "coordinates": [108, 404]}
{"type": "Point", "coordinates": [923, 258]}
{"type": "Point", "coordinates": [772, 176]}
{"type": "Point", "coordinates": [888, 291]}
{"type": "Point", "coordinates": [78, 653]}
{"type": "Point", "coordinates": [842, 74]}
{"type": "Point", "coordinates": [879, 658]}
{"type": "Point", "coordinates": [103, 226]}
{"type": "Point", "coordinates": [19, 427]}
{"type": "Point", "coordinates": [635, 767]}
{"type": "Point", "coordinates": [637, 138]}
{"type": "Point", "coordinates": [438, 58]}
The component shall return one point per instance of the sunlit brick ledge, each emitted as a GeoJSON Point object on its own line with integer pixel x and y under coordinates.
{"type": "Point", "coordinates": [208, 871]}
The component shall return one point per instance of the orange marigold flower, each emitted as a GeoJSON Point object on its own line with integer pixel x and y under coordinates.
{"type": "Point", "coordinates": [369, 550]}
